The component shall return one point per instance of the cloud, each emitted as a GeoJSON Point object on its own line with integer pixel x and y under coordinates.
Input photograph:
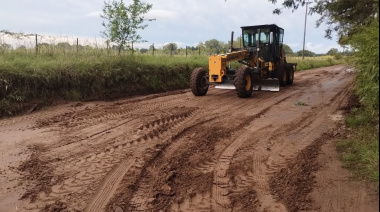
{"type": "Point", "coordinates": [161, 14]}
{"type": "Point", "coordinates": [319, 48]}
{"type": "Point", "coordinates": [187, 21]}
{"type": "Point", "coordinates": [95, 14]}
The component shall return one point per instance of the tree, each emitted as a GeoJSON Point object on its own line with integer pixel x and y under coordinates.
{"type": "Point", "coordinates": [63, 45]}
{"type": "Point", "coordinates": [122, 22]}
{"type": "Point", "coordinates": [170, 48]}
{"type": "Point", "coordinates": [287, 49]}
{"type": "Point", "coordinates": [342, 16]}
{"type": "Point", "coordinates": [238, 43]}
{"type": "Point", "coordinates": [143, 50]}
{"type": "Point", "coordinates": [152, 48]}
{"type": "Point", "coordinates": [215, 46]}
{"type": "Point", "coordinates": [5, 46]}
{"type": "Point", "coordinates": [365, 46]}
{"type": "Point", "coordinates": [307, 53]}
{"type": "Point", "coordinates": [333, 52]}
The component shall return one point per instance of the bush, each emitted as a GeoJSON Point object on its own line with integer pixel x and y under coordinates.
{"type": "Point", "coordinates": [366, 61]}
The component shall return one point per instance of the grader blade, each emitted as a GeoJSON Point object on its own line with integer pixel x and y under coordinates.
{"type": "Point", "coordinates": [266, 85]}
{"type": "Point", "coordinates": [225, 86]}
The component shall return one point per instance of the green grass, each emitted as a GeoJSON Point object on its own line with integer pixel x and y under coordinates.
{"type": "Point", "coordinates": [360, 152]}
{"type": "Point", "coordinates": [27, 79]}
{"type": "Point", "coordinates": [47, 78]}
{"type": "Point", "coordinates": [310, 63]}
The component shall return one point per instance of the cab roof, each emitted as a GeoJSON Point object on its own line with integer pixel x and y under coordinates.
{"type": "Point", "coordinates": [270, 26]}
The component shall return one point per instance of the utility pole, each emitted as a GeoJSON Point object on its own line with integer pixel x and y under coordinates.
{"type": "Point", "coordinates": [304, 33]}
{"type": "Point", "coordinates": [36, 44]}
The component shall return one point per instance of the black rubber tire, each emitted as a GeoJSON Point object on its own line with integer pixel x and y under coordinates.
{"type": "Point", "coordinates": [198, 82]}
{"type": "Point", "coordinates": [281, 75]}
{"type": "Point", "coordinates": [244, 82]}
{"type": "Point", "coordinates": [290, 74]}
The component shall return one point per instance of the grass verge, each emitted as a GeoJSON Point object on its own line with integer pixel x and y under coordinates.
{"type": "Point", "coordinates": [360, 151]}
{"type": "Point", "coordinates": [28, 80]}
{"type": "Point", "coordinates": [310, 64]}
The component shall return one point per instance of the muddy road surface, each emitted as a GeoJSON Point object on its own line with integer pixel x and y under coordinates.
{"type": "Point", "coordinates": [181, 153]}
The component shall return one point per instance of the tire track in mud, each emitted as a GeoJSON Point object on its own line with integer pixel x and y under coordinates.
{"type": "Point", "coordinates": [97, 128]}
{"type": "Point", "coordinates": [111, 183]}
{"type": "Point", "coordinates": [222, 186]}
{"type": "Point", "coordinates": [109, 187]}
{"type": "Point", "coordinates": [140, 200]}
{"type": "Point", "coordinates": [88, 170]}
{"type": "Point", "coordinates": [287, 143]}
{"type": "Point", "coordinates": [218, 200]}
{"type": "Point", "coordinates": [103, 144]}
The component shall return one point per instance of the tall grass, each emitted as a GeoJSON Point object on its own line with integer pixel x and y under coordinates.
{"type": "Point", "coordinates": [310, 63]}
{"type": "Point", "coordinates": [46, 78]}
{"type": "Point", "coordinates": [360, 153]}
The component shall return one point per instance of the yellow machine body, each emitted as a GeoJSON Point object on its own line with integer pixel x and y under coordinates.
{"type": "Point", "coordinates": [264, 66]}
{"type": "Point", "coordinates": [218, 64]}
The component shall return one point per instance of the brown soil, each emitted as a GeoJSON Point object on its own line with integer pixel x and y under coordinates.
{"type": "Point", "coordinates": [176, 152]}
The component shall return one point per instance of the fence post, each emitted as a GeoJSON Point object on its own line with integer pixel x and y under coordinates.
{"type": "Point", "coordinates": [77, 44]}
{"type": "Point", "coordinates": [153, 49]}
{"type": "Point", "coordinates": [133, 51]}
{"type": "Point", "coordinates": [171, 49]}
{"type": "Point", "coordinates": [36, 44]}
{"type": "Point", "coordinates": [186, 51]}
{"type": "Point", "coordinates": [199, 49]}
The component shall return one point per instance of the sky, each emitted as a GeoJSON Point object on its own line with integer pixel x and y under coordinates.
{"type": "Point", "coordinates": [185, 22]}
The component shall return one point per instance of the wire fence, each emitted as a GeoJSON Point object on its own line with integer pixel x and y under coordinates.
{"type": "Point", "coordinates": [40, 44]}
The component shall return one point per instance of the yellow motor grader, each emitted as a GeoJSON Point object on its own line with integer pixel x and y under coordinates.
{"type": "Point", "coordinates": [264, 64]}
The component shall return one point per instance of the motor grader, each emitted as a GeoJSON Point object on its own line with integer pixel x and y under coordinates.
{"type": "Point", "coordinates": [264, 66]}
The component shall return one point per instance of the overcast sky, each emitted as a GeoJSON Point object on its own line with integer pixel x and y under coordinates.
{"type": "Point", "coordinates": [186, 22]}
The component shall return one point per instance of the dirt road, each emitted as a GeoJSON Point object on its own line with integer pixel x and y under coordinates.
{"type": "Point", "coordinates": [177, 152]}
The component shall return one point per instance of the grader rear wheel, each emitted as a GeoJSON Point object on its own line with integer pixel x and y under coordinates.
{"type": "Point", "coordinates": [199, 82]}
{"type": "Point", "coordinates": [244, 82]}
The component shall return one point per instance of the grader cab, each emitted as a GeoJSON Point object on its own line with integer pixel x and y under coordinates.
{"type": "Point", "coordinates": [264, 65]}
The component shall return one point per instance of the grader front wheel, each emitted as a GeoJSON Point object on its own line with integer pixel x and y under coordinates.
{"type": "Point", "coordinates": [199, 82]}
{"type": "Point", "coordinates": [281, 75]}
{"type": "Point", "coordinates": [244, 82]}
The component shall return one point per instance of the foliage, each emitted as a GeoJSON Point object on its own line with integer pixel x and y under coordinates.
{"type": "Point", "coordinates": [124, 21]}
{"type": "Point", "coordinates": [342, 16]}
{"type": "Point", "coordinates": [366, 60]}
{"type": "Point", "coordinates": [307, 53]}
{"type": "Point", "coordinates": [143, 50]}
{"type": "Point", "coordinates": [170, 48]}
{"type": "Point", "coordinates": [333, 52]}
{"type": "Point", "coordinates": [287, 49]}
{"type": "Point", "coordinates": [357, 25]}
{"type": "Point", "coordinates": [238, 43]}
{"type": "Point", "coordinates": [216, 46]}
